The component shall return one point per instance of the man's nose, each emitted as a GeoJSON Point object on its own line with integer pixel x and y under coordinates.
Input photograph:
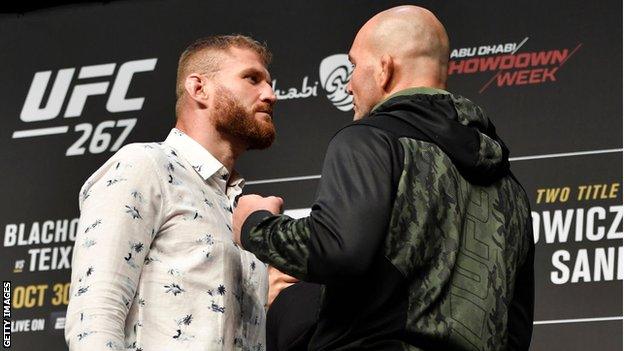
{"type": "Point", "coordinates": [348, 88]}
{"type": "Point", "coordinates": [268, 95]}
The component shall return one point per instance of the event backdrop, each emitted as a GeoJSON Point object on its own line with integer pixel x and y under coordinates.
{"type": "Point", "coordinates": [80, 81]}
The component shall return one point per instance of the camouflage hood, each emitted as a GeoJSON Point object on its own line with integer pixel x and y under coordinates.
{"type": "Point", "coordinates": [459, 127]}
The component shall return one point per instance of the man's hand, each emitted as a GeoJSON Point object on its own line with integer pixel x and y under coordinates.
{"type": "Point", "coordinates": [278, 281]}
{"type": "Point", "coordinates": [247, 205]}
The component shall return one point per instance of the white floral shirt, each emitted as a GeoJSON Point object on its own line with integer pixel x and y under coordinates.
{"type": "Point", "coordinates": [154, 265]}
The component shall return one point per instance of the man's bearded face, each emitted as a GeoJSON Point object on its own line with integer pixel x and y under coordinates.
{"type": "Point", "coordinates": [252, 126]}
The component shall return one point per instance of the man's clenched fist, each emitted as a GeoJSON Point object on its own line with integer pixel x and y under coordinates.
{"type": "Point", "coordinates": [250, 203]}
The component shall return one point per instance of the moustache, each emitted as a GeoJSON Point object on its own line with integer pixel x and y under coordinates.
{"type": "Point", "coordinates": [268, 109]}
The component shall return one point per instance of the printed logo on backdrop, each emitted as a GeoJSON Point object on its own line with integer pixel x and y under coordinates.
{"type": "Point", "coordinates": [55, 323]}
{"type": "Point", "coordinates": [509, 66]}
{"type": "Point", "coordinates": [46, 97]}
{"type": "Point", "coordinates": [584, 230]}
{"type": "Point", "coordinates": [57, 234]}
{"type": "Point", "coordinates": [334, 74]}
{"type": "Point", "coordinates": [35, 296]}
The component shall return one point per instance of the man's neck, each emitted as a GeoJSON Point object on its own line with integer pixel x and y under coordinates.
{"type": "Point", "coordinates": [223, 147]}
{"type": "Point", "coordinates": [410, 91]}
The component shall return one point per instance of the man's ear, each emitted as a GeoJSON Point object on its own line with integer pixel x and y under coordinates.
{"type": "Point", "coordinates": [197, 87]}
{"type": "Point", "coordinates": [387, 72]}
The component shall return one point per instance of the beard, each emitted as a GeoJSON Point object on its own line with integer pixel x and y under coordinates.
{"type": "Point", "coordinates": [233, 119]}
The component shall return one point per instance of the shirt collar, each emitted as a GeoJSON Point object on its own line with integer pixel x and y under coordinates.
{"type": "Point", "coordinates": [412, 91]}
{"type": "Point", "coordinates": [204, 163]}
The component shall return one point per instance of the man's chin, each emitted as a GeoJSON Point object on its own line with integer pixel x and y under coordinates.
{"type": "Point", "coordinates": [357, 116]}
{"type": "Point", "coordinates": [263, 141]}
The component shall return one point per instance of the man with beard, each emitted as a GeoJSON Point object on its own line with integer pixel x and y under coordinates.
{"type": "Point", "coordinates": [155, 266]}
{"type": "Point", "coordinates": [420, 234]}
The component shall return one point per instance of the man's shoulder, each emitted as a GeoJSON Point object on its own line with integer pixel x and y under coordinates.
{"type": "Point", "coordinates": [382, 127]}
{"type": "Point", "coordinates": [133, 163]}
{"type": "Point", "coordinates": [146, 157]}
{"type": "Point", "coordinates": [365, 129]}
{"type": "Point", "coordinates": [366, 140]}
{"type": "Point", "coordinates": [156, 151]}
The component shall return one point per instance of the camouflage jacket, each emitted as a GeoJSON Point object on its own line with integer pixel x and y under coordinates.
{"type": "Point", "coordinates": [420, 234]}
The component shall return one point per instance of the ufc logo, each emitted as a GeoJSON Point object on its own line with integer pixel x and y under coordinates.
{"type": "Point", "coordinates": [117, 101]}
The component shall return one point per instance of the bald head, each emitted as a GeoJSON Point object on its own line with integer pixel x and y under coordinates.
{"type": "Point", "coordinates": [403, 47]}
{"type": "Point", "coordinates": [414, 38]}
{"type": "Point", "coordinates": [410, 33]}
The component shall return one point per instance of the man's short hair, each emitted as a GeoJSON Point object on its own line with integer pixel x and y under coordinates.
{"type": "Point", "coordinates": [203, 55]}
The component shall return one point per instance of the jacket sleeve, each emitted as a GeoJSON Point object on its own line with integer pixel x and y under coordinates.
{"type": "Point", "coordinates": [349, 217]}
{"type": "Point", "coordinates": [121, 209]}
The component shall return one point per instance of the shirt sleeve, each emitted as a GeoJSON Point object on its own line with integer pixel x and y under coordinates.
{"type": "Point", "coordinates": [348, 220]}
{"type": "Point", "coordinates": [121, 209]}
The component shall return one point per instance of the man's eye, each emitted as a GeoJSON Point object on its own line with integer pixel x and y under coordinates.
{"type": "Point", "coordinates": [252, 79]}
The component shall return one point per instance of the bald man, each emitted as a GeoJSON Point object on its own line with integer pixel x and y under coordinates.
{"type": "Point", "coordinates": [420, 234]}
{"type": "Point", "coordinates": [154, 265]}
